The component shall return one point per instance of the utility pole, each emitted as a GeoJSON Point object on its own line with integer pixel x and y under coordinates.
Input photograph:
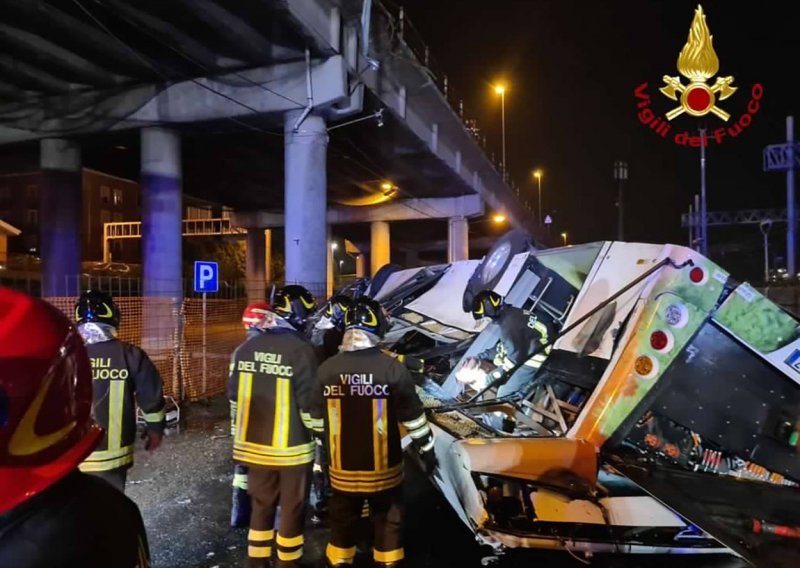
{"type": "Point", "coordinates": [785, 157]}
{"type": "Point", "coordinates": [620, 174]}
{"type": "Point", "coordinates": [791, 211]}
{"type": "Point", "coordinates": [703, 197]}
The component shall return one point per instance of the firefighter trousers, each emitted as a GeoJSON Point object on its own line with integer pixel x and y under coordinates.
{"type": "Point", "coordinates": [386, 513]}
{"type": "Point", "coordinates": [269, 487]}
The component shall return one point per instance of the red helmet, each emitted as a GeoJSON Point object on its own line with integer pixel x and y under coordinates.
{"type": "Point", "coordinates": [46, 428]}
{"type": "Point", "coordinates": [254, 313]}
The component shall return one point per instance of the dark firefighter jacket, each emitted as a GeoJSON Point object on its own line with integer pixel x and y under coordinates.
{"type": "Point", "coordinates": [269, 388]}
{"type": "Point", "coordinates": [123, 377]}
{"type": "Point", "coordinates": [81, 521]}
{"type": "Point", "coordinates": [520, 335]}
{"type": "Point", "coordinates": [359, 401]}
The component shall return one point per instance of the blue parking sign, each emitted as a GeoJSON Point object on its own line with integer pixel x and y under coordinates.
{"type": "Point", "coordinates": [206, 276]}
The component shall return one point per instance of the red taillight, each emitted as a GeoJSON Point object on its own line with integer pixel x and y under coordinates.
{"type": "Point", "coordinates": [697, 275]}
{"type": "Point", "coordinates": [659, 340]}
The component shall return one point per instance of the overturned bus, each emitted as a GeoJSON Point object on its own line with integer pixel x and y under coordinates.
{"type": "Point", "coordinates": [664, 419]}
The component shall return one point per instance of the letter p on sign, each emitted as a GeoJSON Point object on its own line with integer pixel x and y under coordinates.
{"type": "Point", "coordinates": [206, 276]}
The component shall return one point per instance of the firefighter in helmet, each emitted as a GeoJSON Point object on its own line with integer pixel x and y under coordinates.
{"type": "Point", "coordinates": [360, 400]}
{"type": "Point", "coordinates": [51, 514]}
{"type": "Point", "coordinates": [252, 316]}
{"type": "Point", "coordinates": [269, 388]}
{"type": "Point", "coordinates": [329, 329]}
{"type": "Point", "coordinates": [123, 377]}
{"type": "Point", "coordinates": [520, 335]}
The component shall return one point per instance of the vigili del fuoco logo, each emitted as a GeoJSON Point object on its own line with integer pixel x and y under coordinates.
{"type": "Point", "coordinates": [698, 63]}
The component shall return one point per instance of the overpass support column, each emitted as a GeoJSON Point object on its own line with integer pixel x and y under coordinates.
{"type": "Point", "coordinates": [380, 248]}
{"type": "Point", "coordinates": [268, 256]}
{"type": "Point", "coordinates": [256, 265]}
{"type": "Point", "coordinates": [162, 251]}
{"type": "Point", "coordinates": [60, 203]}
{"type": "Point", "coordinates": [361, 265]}
{"type": "Point", "coordinates": [457, 239]}
{"type": "Point", "coordinates": [305, 202]}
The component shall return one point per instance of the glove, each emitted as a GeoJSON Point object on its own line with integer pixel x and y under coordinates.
{"type": "Point", "coordinates": [152, 440]}
{"type": "Point", "coordinates": [429, 461]}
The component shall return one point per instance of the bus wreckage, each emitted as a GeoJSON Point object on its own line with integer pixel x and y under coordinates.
{"type": "Point", "coordinates": [664, 419]}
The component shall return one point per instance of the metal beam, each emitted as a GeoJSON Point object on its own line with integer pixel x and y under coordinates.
{"type": "Point", "coordinates": [742, 217]}
{"type": "Point", "coordinates": [404, 210]}
{"type": "Point", "coordinates": [49, 54]}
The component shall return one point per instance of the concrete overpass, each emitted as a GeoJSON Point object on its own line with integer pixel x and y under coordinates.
{"type": "Point", "coordinates": [308, 68]}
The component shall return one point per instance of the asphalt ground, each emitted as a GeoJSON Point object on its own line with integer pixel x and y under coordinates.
{"type": "Point", "coordinates": [184, 493]}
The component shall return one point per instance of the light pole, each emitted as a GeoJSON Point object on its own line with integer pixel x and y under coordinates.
{"type": "Point", "coordinates": [765, 226]}
{"type": "Point", "coordinates": [538, 175]}
{"type": "Point", "coordinates": [500, 89]}
{"type": "Point", "coordinates": [620, 174]}
{"type": "Point", "coordinates": [564, 236]}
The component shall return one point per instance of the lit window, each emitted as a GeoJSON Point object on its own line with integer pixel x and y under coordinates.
{"type": "Point", "coordinates": [117, 196]}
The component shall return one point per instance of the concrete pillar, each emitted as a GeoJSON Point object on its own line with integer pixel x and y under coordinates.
{"type": "Point", "coordinates": [305, 201]}
{"type": "Point", "coordinates": [329, 262]}
{"type": "Point", "coordinates": [457, 239]}
{"type": "Point", "coordinates": [361, 265]}
{"type": "Point", "coordinates": [255, 265]}
{"type": "Point", "coordinates": [60, 208]}
{"type": "Point", "coordinates": [380, 248]}
{"type": "Point", "coordinates": [268, 255]}
{"type": "Point", "coordinates": [162, 251]}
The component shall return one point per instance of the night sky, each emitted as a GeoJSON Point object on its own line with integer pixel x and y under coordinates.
{"type": "Point", "coordinates": [572, 67]}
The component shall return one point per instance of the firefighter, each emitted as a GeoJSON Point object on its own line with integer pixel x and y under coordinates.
{"type": "Point", "coordinates": [51, 514]}
{"type": "Point", "coordinates": [123, 377]}
{"type": "Point", "coordinates": [359, 401]}
{"type": "Point", "coordinates": [269, 390]}
{"type": "Point", "coordinates": [252, 316]}
{"type": "Point", "coordinates": [520, 334]}
{"type": "Point", "coordinates": [328, 331]}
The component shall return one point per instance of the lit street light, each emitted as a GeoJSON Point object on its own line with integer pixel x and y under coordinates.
{"type": "Point", "coordinates": [499, 218]}
{"type": "Point", "coordinates": [564, 236]}
{"type": "Point", "coordinates": [538, 175]}
{"type": "Point", "coordinates": [500, 89]}
{"type": "Point", "coordinates": [334, 246]}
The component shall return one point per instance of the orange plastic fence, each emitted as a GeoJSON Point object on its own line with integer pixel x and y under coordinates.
{"type": "Point", "coordinates": [190, 350]}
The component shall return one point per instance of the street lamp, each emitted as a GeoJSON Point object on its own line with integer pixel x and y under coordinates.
{"type": "Point", "coordinates": [500, 89]}
{"type": "Point", "coordinates": [499, 218]}
{"type": "Point", "coordinates": [334, 246]}
{"type": "Point", "coordinates": [538, 175]}
{"type": "Point", "coordinates": [564, 236]}
{"type": "Point", "coordinates": [620, 174]}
